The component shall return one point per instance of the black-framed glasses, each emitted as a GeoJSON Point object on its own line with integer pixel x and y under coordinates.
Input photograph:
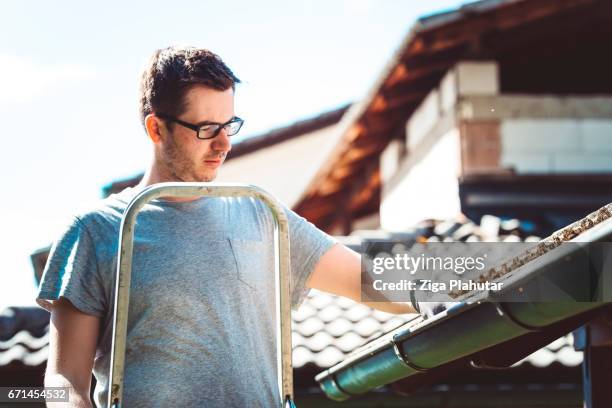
{"type": "Point", "coordinates": [207, 130]}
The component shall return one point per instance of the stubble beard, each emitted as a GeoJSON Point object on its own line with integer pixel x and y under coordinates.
{"type": "Point", "coordinates": [180, 168]}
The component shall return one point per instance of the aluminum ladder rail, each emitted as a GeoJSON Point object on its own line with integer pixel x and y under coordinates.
{"type": "Point", "coordinates": [124, 271]}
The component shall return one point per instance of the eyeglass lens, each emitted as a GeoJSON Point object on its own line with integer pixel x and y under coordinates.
{"type": "Point", "coordinates": [209, 131]}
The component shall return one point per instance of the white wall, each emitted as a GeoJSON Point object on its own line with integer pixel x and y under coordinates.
{"type": "Point", "coordinates": [283, 169]}
{"type": "Point", "coordinates": [390, 159]}
{"type": "Point", "coordinates": [549, 146]}
{"type": "Point", "coordinates": [468, 78]}
{"type": "Point", "coordinates": [477, 78]}
{"type": "Point", "coordinates": [429, 190]}
{"type": "Point", "coordinates": [423, 120]}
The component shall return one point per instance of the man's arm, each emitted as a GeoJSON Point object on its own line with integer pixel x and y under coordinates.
{"type": "Point", "coordinates": [339, 272]}
{"type": "Point", "coordinates": [73, 336]}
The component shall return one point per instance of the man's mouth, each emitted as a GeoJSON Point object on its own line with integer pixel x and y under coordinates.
{"type": "Point", "coordinates": [213, 162]}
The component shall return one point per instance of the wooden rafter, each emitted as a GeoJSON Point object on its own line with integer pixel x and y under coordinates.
{"type": "Point", "coordinates": [504, 18]}
{"type": "Point", "coordinates": [407, 73]}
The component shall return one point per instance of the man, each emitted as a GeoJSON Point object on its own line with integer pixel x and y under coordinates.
{"type": "Point", "coordinates": [201, 319]}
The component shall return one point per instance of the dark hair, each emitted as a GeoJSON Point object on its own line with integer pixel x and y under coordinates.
{"type": "Point", "coordinates": [172, 71]}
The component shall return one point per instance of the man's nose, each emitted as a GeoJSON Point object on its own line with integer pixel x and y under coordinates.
{"type": "Point", "coordinates": [222, 141]}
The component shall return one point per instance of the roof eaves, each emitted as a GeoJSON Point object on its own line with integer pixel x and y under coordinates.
{"type": "Point", "coordinates": [435, 20]}
{"type": "Point", "coordinates": [356, 112]}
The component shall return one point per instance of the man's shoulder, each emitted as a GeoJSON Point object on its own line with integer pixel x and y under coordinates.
{"type": "Point", "coordinates": [106, 212]}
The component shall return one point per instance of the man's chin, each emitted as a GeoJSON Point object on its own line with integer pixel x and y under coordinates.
{"type": "Point", "coordinates": [207, 177]}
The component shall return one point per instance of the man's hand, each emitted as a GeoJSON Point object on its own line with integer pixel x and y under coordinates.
{"type": "Point", "coordinates": [339, 272]}
{"type": "Point", "coordinates": [73, 336]}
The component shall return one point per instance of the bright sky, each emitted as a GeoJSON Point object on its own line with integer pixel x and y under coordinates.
{"type": "Point", "coordinates": [68, 75]}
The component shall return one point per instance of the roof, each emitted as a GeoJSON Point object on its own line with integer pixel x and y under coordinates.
{"type": "Point", "coordinates": [326, 329]}
{"type": "Point", "coordinates": [23, 336]}
{"type": "Point", "coordinates": [257, 142]}
{"type": "Point", "coordinates": [512, 32]}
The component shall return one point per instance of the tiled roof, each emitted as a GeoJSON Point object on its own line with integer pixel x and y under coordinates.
{"type": "Point", "coordinates": [24, 349]}
{"type": "Point", "coordinates": [559, 351]}
{"type": "Point", "coordinates": [327, 328]}
{"type": "Point", "coordinates": [23, 336]}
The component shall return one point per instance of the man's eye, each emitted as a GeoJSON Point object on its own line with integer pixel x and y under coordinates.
{"type": "Point", "coordinates": [207, 128]}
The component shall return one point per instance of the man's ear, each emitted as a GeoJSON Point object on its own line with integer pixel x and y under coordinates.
{"type": "Point", "coordinates": [154, 127]}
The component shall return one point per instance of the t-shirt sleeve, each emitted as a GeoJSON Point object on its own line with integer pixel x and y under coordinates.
{"type": "Point", "coordinates": [307, 245]}
{"type": "Point", "coordinates": [72, 272]}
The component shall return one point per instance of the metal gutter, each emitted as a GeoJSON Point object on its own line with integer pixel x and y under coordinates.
{"type": "Point", "coordinates": [471, 326]}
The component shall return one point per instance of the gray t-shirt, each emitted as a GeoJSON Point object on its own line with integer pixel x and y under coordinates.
{"type": "Point", "coordinates": [201, 327]}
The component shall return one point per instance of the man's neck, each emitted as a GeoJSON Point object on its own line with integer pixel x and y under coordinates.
{"type": "Point", "coordinates": [153, 176]}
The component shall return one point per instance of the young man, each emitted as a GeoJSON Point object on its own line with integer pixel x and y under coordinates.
{"type": "Point", "coordinates": [201, 319]}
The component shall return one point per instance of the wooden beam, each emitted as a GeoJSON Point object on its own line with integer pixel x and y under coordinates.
{"type": "Point", "coordinates": [402, 102]}
{"type": "Point", "coordinates": [360, 203]}
{"type": "Point", "coordinates": [505, 17]}
{"type": "Point", "coordinates": [329, 187]}
{"type": "Point", "coordinates": [382, 125]}
{"type": "Point", "coordinates": [406, 73]}
{"type": "Point", "coordinates": [354, 132]}
{"type": "Point", "coordinates": [382, 104]}
{"type": "Point", "coordinates": [343, 175]}
{"type": "Point", "coordinates": [316, 207]}
{"type": "Point", "coordinates": [343, 212]}
{"type": "Point", "coordinates": [417, 88]}
{"type": "Point", "coordinates": [361, 153]}
{"type": "Point", "coordinates": [330, 222]}
{"type": "Point", "coordinates": [371, 183]}
{"type": "Point", "coordinates": [398, 74]}
{"type": "Point", "coordinates": [379, 104]}
{"type": "Point", "coordinates": [531, 36]}
{"type": "Point", "coordinates": [447, 56]}
{"type": "Point", "coordinates": [341, 172]}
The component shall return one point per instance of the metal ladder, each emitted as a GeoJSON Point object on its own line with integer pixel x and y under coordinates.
{"type": "Point", "coordinates": [124, 272]}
